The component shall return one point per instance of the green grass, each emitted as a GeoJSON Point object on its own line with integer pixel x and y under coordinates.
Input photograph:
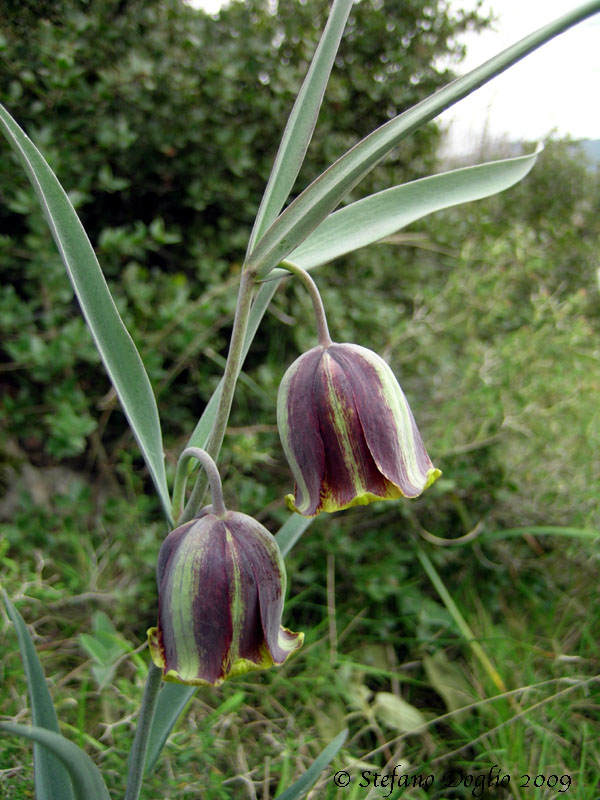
{"type": "Point", "coordinates": [361, 647]}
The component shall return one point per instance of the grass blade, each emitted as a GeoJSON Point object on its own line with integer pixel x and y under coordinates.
{"type": "Point", "coordinates": [544, 530]}
{"type": "Point", "coordinates": [51, 779]}
{"type": "Point", "coordinates": [85, 775]}
{"type": "Point", "coordinates": [458, 618]}
{"type": "Point", "coordinates": [301, 123]}
{"type": "Point", "coordinates": [118, 352]}
{"type": "Point", "coordinates": [306, 781]}
{"type": "Point", "coordinates": [311, 207]}
{"type": "Point", "coordinates": [382, 214]}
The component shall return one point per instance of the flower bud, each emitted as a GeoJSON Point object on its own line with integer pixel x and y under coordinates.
{"type": "Point", "coordinates": [347, 431]}
{"type": "Point", "coordinates": [221, 583]}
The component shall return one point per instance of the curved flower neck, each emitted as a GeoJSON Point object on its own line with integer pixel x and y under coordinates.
{"type": "Point", "coordinates": [321, 320]}
{"type": "Point", "coordinates": [214, 479]}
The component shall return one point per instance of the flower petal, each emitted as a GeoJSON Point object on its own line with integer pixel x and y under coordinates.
{"type": "Point", "coordinates": [299, 429]}
{"type": "Point", "coordinates": [194, 620]}
{"type": "Point", "coordinates": [386, 419]}
{"type": "Point", "coordinates": [262, 553]}
{"type": "Point", "coordinates": [351, 475]}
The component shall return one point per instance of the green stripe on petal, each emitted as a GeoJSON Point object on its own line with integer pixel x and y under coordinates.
{"type": "Point", "coordinates": [387, 421]}
{"type": "Point", "coordinates": [235, 601]}
{"type": "Point", "coordinates": [344, 418]}
{"type": "Point", "coordinates": [182, 587]}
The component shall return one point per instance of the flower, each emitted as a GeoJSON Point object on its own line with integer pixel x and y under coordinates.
{"type": "Point", "coordinates": [348, 432]}
{"type": "Point", "coordinates": [221, 584]}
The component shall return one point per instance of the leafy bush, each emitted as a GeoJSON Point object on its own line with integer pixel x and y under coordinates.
{"type": "Point", "coordinates": [162, 122]}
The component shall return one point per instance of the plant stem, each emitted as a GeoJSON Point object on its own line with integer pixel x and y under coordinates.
{"type": "Point", "coordinates": [311, 287]}
{"type": "Point", "coordinates": [212, 473]}
{"type": "Point", "coordinates": [230, 376]}
{"type": "Point", "coordinates": [137, 756]}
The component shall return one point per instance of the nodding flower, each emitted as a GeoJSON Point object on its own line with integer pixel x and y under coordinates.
{"type": "Point", "coordinates": [221, 587]}
{"type": "Point", "coordinates": [347, 431]}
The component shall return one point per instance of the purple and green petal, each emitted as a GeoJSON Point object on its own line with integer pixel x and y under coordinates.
{"type": "Point", "coordinates": [348, 432]}
{"type": "Point", "coordinates": [216, 619]}
{"type": "Point", "coordinates": [269, 572]}
{"type": "Point", "coordinates": [389, 427]}
{"type": "Point", "coordinates": [299, 428]}
{"type": "Point", "coordinates": [351, 475]}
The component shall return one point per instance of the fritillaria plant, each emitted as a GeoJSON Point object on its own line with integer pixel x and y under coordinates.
{"type": "Point", "coordinates": [221, 579]}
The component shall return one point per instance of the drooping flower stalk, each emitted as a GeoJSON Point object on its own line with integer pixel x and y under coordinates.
{"type": "Point", "coordinates": [212, 476]}
{"type": "Point", "coordinates": [315, 296]}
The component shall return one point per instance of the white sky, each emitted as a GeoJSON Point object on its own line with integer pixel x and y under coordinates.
{"type": "Point", "coordinates": [556, 88]}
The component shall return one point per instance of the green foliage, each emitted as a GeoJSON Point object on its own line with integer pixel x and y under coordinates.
{"type": "Point", "coordinates": [521, 329]}
{"type": "Point", "coordinates": [85, 775]}
{"type": "Point", "coordinates": [105, 647]}
{"type": "Point", "coordinates": [162, 125]}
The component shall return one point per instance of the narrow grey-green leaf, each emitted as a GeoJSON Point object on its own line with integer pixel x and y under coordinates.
{"type": "Point", "coordinates": [306, 781]}
{"type": "Point", "coordinates": [85, 775]}
{"type": "Point", "coordinates": [118, 352]}
{"type": "Point", "coordinates": [301, 123]}
{"type": "Point", "coordinates": [311, 207]}
{"type": "Point", "coordinates": [51, 779]}
{"type": "Point", "coordinates": [291, 532]}
{"type": "Point", "coordinates": [172, 699]}
{"type": "Point", "coordinates": [382, 214]}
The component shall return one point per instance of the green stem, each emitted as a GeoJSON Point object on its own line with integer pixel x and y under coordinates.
{"type": "Point", "coordinates": [458, 618]}
{"type": "Point", "coordinates": [212, 473]}
{"type": "Point", "coordinates": [311, 287]}
{"type": "Point", "coordinates": [230, 376]}
{"type": "Point", "coordinates": [137, 756]}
